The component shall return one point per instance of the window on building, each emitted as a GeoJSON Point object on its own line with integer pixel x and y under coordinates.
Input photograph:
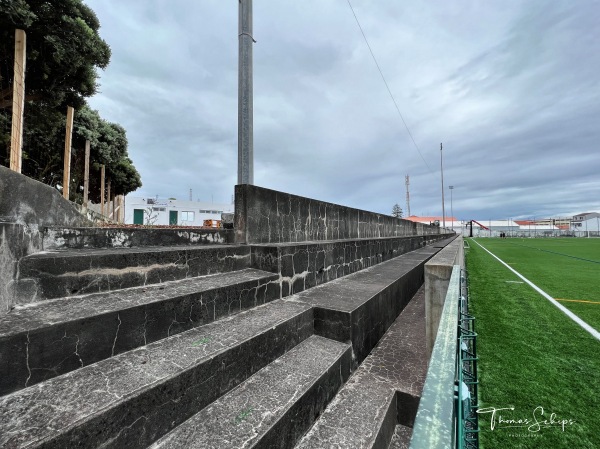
{"type": "Point", "coordinates": [187, 216]}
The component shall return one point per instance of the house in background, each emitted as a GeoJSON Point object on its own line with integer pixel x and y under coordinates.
{"type": "Point", "coordinates": [157, 211]}
{"type": "Point", "coordinates": [586, 222]}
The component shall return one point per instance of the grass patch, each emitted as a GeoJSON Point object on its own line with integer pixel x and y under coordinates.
{"type": "Point", "coordinates": [558, 275]}
{"type": "Point", "coordinates": [531, 355]}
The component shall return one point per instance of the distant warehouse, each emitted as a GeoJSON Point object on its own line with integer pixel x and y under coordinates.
{"type": "Point", "coordinates": [157, 211]}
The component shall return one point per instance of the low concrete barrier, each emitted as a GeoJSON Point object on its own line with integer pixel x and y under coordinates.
{"type": "Point", "coordinates": [437, 277]}
{"type": "Point", "coordinates": [268, 216]}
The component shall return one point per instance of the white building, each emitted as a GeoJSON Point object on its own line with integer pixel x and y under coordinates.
{"type": "Point", "coordinates": [586, 222]}
{"type": "Point", "coordinates": [157, 211]}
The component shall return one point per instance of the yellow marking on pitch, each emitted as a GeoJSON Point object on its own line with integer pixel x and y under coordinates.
{"type": "Point", "coordinates": [578, 300]}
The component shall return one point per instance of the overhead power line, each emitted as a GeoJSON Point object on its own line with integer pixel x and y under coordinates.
{"type": "Point", "coordinates": [388, 87]}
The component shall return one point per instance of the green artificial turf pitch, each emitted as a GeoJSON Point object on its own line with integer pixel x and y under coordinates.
{"type": "Point", "coordinates": [531, 354]}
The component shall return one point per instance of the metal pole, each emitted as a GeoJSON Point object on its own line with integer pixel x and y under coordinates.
{"type": "Point", "coordinates": [451, 207]}
{"type": "Point", "coordinates": [442, 170]}
{"type": "Point", "coordinates": [245, 101]}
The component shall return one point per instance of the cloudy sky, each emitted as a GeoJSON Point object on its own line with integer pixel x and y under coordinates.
{"type": "Point", "coordinates": [511, 88]}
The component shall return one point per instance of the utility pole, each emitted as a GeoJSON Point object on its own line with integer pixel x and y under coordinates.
{"type": "Point", "coordinates": [407, 182]}
{"type": "Point", "coordinates": [442, 170]}
{"type": "Point", "coordinates": [451, 207]}
{"type": "Point", "coordinates": [245, 96]}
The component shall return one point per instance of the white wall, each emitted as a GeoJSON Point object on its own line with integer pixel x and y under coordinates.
{"type": "Point", "coordinates": [158, 212]}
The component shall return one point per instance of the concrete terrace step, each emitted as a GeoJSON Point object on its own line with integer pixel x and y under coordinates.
{"type": "Point", "coordinates": [56, 274]}
{"type": "Point", "coordinates": [130, 400]}
{"type": "Point", "coordinates": [303, 265]}
{"type": "Point", "coordinates": [274, 407]}
{"type": "Point", "coordinates": [50, 338]}
{"type": "Point", "coordinates": [114, 237]}
{"type": "Point", "coordinates": [401, 437]}
{"type": "Point", "coordinates": [383, 392]}
{"type": "Point", "coordinates": [359, 308]}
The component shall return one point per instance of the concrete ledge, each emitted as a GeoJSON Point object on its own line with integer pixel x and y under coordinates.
{"type": "Point", "coordinates": [359, 308]}
{"type": "Point", "coordinates": [55, 337]}
{"type": "Point", "coordinates": [58, 274]}
{"type": "Point", "coordinates": [437, 276]}
{"type": "Point", "coordinates": [132, 399]}
{"type": "Point", "coordinates": [383, 393]}
{"type": "Point", "coordinates": [305, 265]}
{"type": "Point", "coordinates": [64, 238]}
{"type": "Point", "coordinates": [435, 426]}
{"type": "Point", "coordinates": [274, 407]}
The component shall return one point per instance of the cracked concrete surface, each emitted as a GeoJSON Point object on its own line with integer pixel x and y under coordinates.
{"type": "Point", "coordinates": [298, 384]}
{"type": "Point", "coordinates": [56, 274]}
{"type": "Point", "coordinates": [387, 384]}
{"type": "Point", "coordinates": [298, 219]}
{"type": "Point", "coordinates": [164, 382]}
{"type": "Point", "coordinates": [65, 334]}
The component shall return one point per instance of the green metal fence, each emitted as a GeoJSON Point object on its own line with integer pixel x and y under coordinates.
{"type": "Point", "coordinates": [467, 435]}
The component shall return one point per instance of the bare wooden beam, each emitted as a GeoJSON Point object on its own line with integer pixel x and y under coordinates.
{"type": "Point", "coordinates": [108, 199]}
{"type": "Point", "coordinates": [86, 174]}
{"type": "Point", "coordinates": [18, 102]}
{"type": "Point", "coordinates": [102, 175]}
{"type": "Point", "coordinates": [68, 139]}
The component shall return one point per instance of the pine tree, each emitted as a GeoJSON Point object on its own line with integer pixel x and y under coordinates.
{"type": "Point", "coordinates": [397, 211]}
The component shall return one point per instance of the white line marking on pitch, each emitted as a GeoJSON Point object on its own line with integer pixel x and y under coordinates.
{"type": "Point", "coordinates": [593, 332]}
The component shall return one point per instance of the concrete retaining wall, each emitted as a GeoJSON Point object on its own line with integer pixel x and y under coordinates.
{"type": "Point", "coordinates": [268, 216]}
{"type": "Point", "coordinates": [26, 207]}
{"type": "Point", "coordinates": [437, 277]}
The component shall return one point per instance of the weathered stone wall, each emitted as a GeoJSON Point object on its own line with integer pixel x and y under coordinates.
{"type": "Point", "coordinates": [26, 207]}
{"type": "Point", "coordinates": [268, 216]}
{"type": "Point", "coordinates": [31, 203]}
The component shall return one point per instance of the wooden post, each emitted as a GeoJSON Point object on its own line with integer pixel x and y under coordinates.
{"type": "Point", "coordinates": [102, 174]}
{"type": "Point", "coordinates": [108, 199]}
{"type": "Point", "coordinates": [18, 103]}
{"type": "Point", "coordinates": [68, 137]}
{"type": "Point", "coordinates": [86, 174]}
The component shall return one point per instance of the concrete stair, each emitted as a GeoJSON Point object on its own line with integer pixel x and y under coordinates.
{"type": "Point", "coordinates": [50, 338]}
{"type": "Point", "coordinates": [274, 407]}
{"type": "Point", "coordinates": [377, 406]}
{"type": "Point", "coordinates": [134, 398]}
{"type": "Point", "coordinates": [200, 351]}
{"type": "Point", "coordinates": [63, 273]}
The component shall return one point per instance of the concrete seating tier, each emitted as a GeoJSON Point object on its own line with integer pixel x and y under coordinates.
{"type": "Point", "coordinates": [153, 364]}
{"type": "Point", "coordinates": [134, 398]}
{"type": "Point", "coordinates": [57, 274]}
{"type": "Point", "coordinates": [274, 407]}
{"type": "Point", "coordinates": [54, 337]}
{"type": "Point", "coordinates": [114, 237]}
{"type": "Point", "coordinates": [377, 406]}
{"type": "Point", "coordinates": [359, 308]}
{"type": "Point", "coordinates": [304, 265]}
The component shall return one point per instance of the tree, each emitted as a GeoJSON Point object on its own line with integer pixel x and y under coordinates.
{"type": "Point", "coordinates": [64, 50]}
{"type": "Point", "coordinates": [397, 211]}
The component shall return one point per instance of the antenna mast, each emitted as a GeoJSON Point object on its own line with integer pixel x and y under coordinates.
{"type": "Point", "coordinates": [407, 182]}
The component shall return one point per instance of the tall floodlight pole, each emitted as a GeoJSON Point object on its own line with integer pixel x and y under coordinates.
{"type": "Point", "coordinates": [451, 208]}
{"type": "Point", "coordinates": [245, 112]}
{"type": "Point", "coordinates": [442, 170]}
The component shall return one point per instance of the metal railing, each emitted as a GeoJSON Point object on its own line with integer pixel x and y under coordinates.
{"type": "Point", "coordinates": [447, 416]}
{"type": "Point", "coordinates": [466, 374]}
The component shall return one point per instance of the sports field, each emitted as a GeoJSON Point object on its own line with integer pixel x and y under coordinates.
{"type": "Point", "coordinates": [534, 360]}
